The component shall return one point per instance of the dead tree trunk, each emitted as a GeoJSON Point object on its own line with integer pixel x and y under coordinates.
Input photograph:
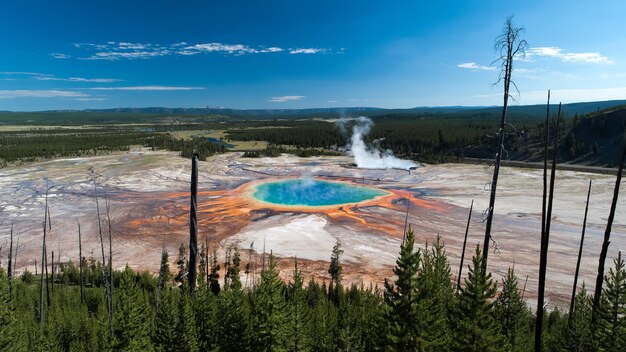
{"type": "Point", "coordinates": [80, 265]}
{"type": "Point", "coordinates": [580, 254]}
{"type": "Point", "coordinates": [606, 242]}
{"type": "Point", "coordinates": [545, 240]}
{"type": "Point", "coordinates": [104, 266]}
{"type": "Point", "coordinates": [108, 209]}
{"type": "Point", "coordinates": [17, 247]}
{"type": "Point", "coordinates": [10, 268]}
{"type": "Point", "coordinates": [193, 225]}
{"type": "Point", "coordinates": [406, 218]}
{"type": "Point", "coordinates": [510, 45]}
{"type": "Point", "coordinates": [524, 289]}
{"type": "Point", "coordinates": [469, 218]}
{"type": "Point", "coordinates": [52, 276]}
{"type": "Point", "coordinates": [43, 259]}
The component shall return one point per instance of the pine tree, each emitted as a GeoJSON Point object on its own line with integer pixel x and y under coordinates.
{"type": "Point", "coordinates": [186, 328]}
{"type": "Point", "coordinates": [611, 325]}
{"type": "Point", "coordinates": [579, 334]}
{"type": "Point", "coordinates": [6, 318]}
{"type": "Point", "coordinates": [436, 298]}
{"type": "Point", "coordinates": [512, 314]}
{"type": "Point", "coordinates": [132, 327]}
{"type": "Point", "coordinates": [233, 322]}
{"type": "Point", "coordinates": [164, 275]}
{"type": "Point", "coordinates": [476, 328]}
{"type": "Point", "coordinates": [270, 310]}
{"type": "Point", "coordinates": [182, 263]}
{"type": "Point", "coordinates": [214, 276]}
{"type": "Point", "coordinates": [299, 315]}
{"type": "Point", "coordinates": [206, 313]}
{"type": "Point", "coordinates": [402, 298]}
{"type": "Point", "coordinates": [335, 287]}
{"type": "Point", "coordinates": [232, 280]}
{"type": "Point", "coordinates": [165, 322]}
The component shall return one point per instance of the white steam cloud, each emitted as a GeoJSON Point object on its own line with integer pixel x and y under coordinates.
{"type": "Point", "coordinates": [371, 157]}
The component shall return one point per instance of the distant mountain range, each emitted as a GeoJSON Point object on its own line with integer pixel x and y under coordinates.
{"type": "Point", "coordinates": [539, 109]}
{"type": "Point", "coordinates": [152, 114]}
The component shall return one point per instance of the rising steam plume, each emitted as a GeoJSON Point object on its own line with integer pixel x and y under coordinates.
{"type": "Point", "coordinates": [370, 157]}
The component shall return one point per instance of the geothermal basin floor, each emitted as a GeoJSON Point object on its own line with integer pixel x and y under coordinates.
{"type": "Point", "coordinates": [149, 190]}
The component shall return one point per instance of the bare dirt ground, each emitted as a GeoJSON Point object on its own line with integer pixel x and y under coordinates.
{"type": "Point", "coordinates": [148, 192]}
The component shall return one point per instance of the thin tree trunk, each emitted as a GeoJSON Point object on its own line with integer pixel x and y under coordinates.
{"type": "Point", "coordinates": [580, 254]}
{"type": "Point", "coordinates": [469, 218]}
{"type": "Point", "coordinates": [545, 240]}
{"type": "Point", "coordinates": [10, 268]}
{"type": "Point", "coordinates": [606, 242]}
{"type": "Point", "coordinates": [52, 279]}
{"type": "Point", "coordinates": [43, 259]}
{"type": "Point", "coordinates": [104, 270]}
{"type": "Point", "coordinates": [545, 168]}
{"type": "Point", "coordinates": [80, 265]}
{"type": "Point", "coordinates": [108, 209]}
{"type": "Point", "coordinates": [47, 281]}
{"type": "Point", "coordinates": [206, 267]}
{"type": "Point", "coordinates": [508, 68]}
{"type": "Point", "coordinates": [524, 289]}
{"type": "Point", "coordinates": [193, 225]}
{"type": "Point", "coordinates": [406, 218]}
{"type": "Point", "coordinates": [17, 247]}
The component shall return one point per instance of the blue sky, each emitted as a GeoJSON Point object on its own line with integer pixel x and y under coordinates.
{"type": "Point", "coordinates": [301, 54]}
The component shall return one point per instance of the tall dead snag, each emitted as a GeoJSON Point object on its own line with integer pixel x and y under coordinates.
{"type": "Point", "coordinates": [43, 258]}
{"type": "Point", "coordinates": [108, 210]}
{"type": "Point", "coordinates": [17, 247]}
{"type": "Point", "coordinates": [606, 242]}
{"type": "Point", "coordinates": [546, 144]}
{"type": "Point", "coordinates": [105, 279]}
{"type": "Point", "coordinates": [545, 240]}
{"type": "Point", "coordinates": [406, 218]}
{"type": "Point", "coordinates": [510, 46]}
{"type": "Point", "coordinates": [52, 276]}
{"type": "Point", "coordinates": [469, 218]}
{"type": "Point", "coordinates": [193, 224]}
{"type": "Point", "coordinates": [580, 254]}
{"type": "Point", "coordinates": [10, 268]}
{"type": "Point", "coordinates": [80, 265]}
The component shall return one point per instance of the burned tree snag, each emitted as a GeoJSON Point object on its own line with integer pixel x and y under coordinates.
{"type": "Point", "coordinates": [580, 254]}
{"type": "Point", "coordinates": [193, 224]}
{"type": "Point", "coordinates": [469, 218]}
{"type": "Point", "coordinates": [606, 242]}
{"type": "Point", "coordinates": [545, 240]}
{"type": "Point", "coordinates": [510, 45]}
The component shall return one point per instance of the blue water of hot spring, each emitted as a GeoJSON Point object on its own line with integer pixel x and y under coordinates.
{"type": "Point", "coordinates": [313, 192]}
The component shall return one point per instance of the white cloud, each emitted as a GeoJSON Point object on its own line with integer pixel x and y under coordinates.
{"type": "Point", "coordinates": [285, 98]}
{"type": "Point", "coordinates": [239, 49]}
{"type": "Point", "coordinates": [40, 93]}
{"type": "Point", "coordinates": [50, 77]}
{"type": "Point", "coordinates": [59, 56]}
{"type": "Point", "coordinates": [90, 99]}
{"type": "Point", "coordinates": [306, 51]}
{"type": "Point", "coordinates": [116, 55]}
{"type": "Point", "coordinates": [556, 52]}
{"type": "Point", "coordinates": [112, 51]}
{"type": "Point", "coordinates": [475, 66]}
{"type": "Point", "coordinates": [148, 88]}
{"type": "Point", "coordinates": [132, 46]}
{"type": "Point", "coordinates": [272, 49]}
